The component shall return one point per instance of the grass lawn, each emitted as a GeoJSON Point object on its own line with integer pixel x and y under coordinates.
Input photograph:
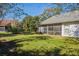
{"type": "Point", "coordinates": [38, 45]}
{"type": "Point", "coordinates": [5, 33]}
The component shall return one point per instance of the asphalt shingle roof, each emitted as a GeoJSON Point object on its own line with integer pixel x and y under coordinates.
{"type": "Point", "coordinates": [6, 22]}
{"type": "Point", "coordinates": [66, 17]}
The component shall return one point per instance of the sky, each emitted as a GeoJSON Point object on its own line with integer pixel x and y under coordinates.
{"type": "Point", "coordinates": [33, 9]}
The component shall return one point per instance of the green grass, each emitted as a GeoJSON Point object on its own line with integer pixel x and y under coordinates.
{"type": "Point", "coordinates": [39, 45]}
{"type": "Point", "coordinates": [5, 33]}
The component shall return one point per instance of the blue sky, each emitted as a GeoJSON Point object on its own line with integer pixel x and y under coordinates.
{"type": "Point", "coordinates": [34, 8]}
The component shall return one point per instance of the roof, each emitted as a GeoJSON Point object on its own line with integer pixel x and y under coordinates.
{"type": "Point", "coordinates": [66, 17]}
{"type": "Point", "coordinates": [6, 22]}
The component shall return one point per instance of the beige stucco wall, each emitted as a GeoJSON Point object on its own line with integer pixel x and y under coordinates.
{"type": "Point", "coordinates": [70, 29]}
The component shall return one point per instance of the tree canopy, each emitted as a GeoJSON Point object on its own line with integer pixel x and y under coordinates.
{"type": "Point", "coordinates": [6, 8]}
{"type": "Point", "coordinates": [30, 23]}
{"type": "Point", "coordinates": [58, 9]}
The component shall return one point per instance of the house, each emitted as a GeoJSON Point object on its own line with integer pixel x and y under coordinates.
{"type": "Point", "coordinates": [5, 24]}
{"type": "Point", "coordinates": [66, 24]}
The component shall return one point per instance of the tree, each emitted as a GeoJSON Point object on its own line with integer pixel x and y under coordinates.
{"type": "Point", "coordinates": [49, 12]}
{"type": "Point", "coordinates": [45, 15]}
{"type": "Point", "coordinates": [4, 9]}
{"type": "Point", "coordinates": [30, 23]}
{"type": "Point", "coordinates": [16, 13]}
{"type": "Point", "coordinates": [58, 9]}
{"type": "Point", "coordinates": [66, 7]}
{"type": "Point", "coordinates": [11, 8]}
{"type": "Point", "coordinates": [35, 23]}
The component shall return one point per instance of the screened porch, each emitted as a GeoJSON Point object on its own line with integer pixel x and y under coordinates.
{"type": "Point", "coordinates": [53, 29]}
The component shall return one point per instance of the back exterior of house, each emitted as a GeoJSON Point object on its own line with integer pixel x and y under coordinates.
{"type": "Point", "coordinates": [5, 24]}
{"type": "Point", "coordinates": [64, 24]}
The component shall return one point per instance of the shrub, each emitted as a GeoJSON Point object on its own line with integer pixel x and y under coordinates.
{"type": "Point", "coordinates": [16, 30]}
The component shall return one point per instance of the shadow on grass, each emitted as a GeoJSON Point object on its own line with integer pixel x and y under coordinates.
{"type": "Point", "coordinates": [9, 48]}
{"type": "Point", "coordinates": [7, 35]}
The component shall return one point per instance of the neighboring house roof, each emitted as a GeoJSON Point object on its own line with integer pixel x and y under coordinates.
{"type": "Point", "coordinates": [6, 22]}
{"type": "Point", "coordinates": [66, 17]}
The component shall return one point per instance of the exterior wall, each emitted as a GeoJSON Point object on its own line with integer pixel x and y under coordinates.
{"type": "Point", "coordinates": [70, 29]}
{"type": "Point", "coordinates": [41, 29]}
{"type": "Point", "coordinates": [67, 29]}
{"type": "Point", "coordinates": [2, 29]}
